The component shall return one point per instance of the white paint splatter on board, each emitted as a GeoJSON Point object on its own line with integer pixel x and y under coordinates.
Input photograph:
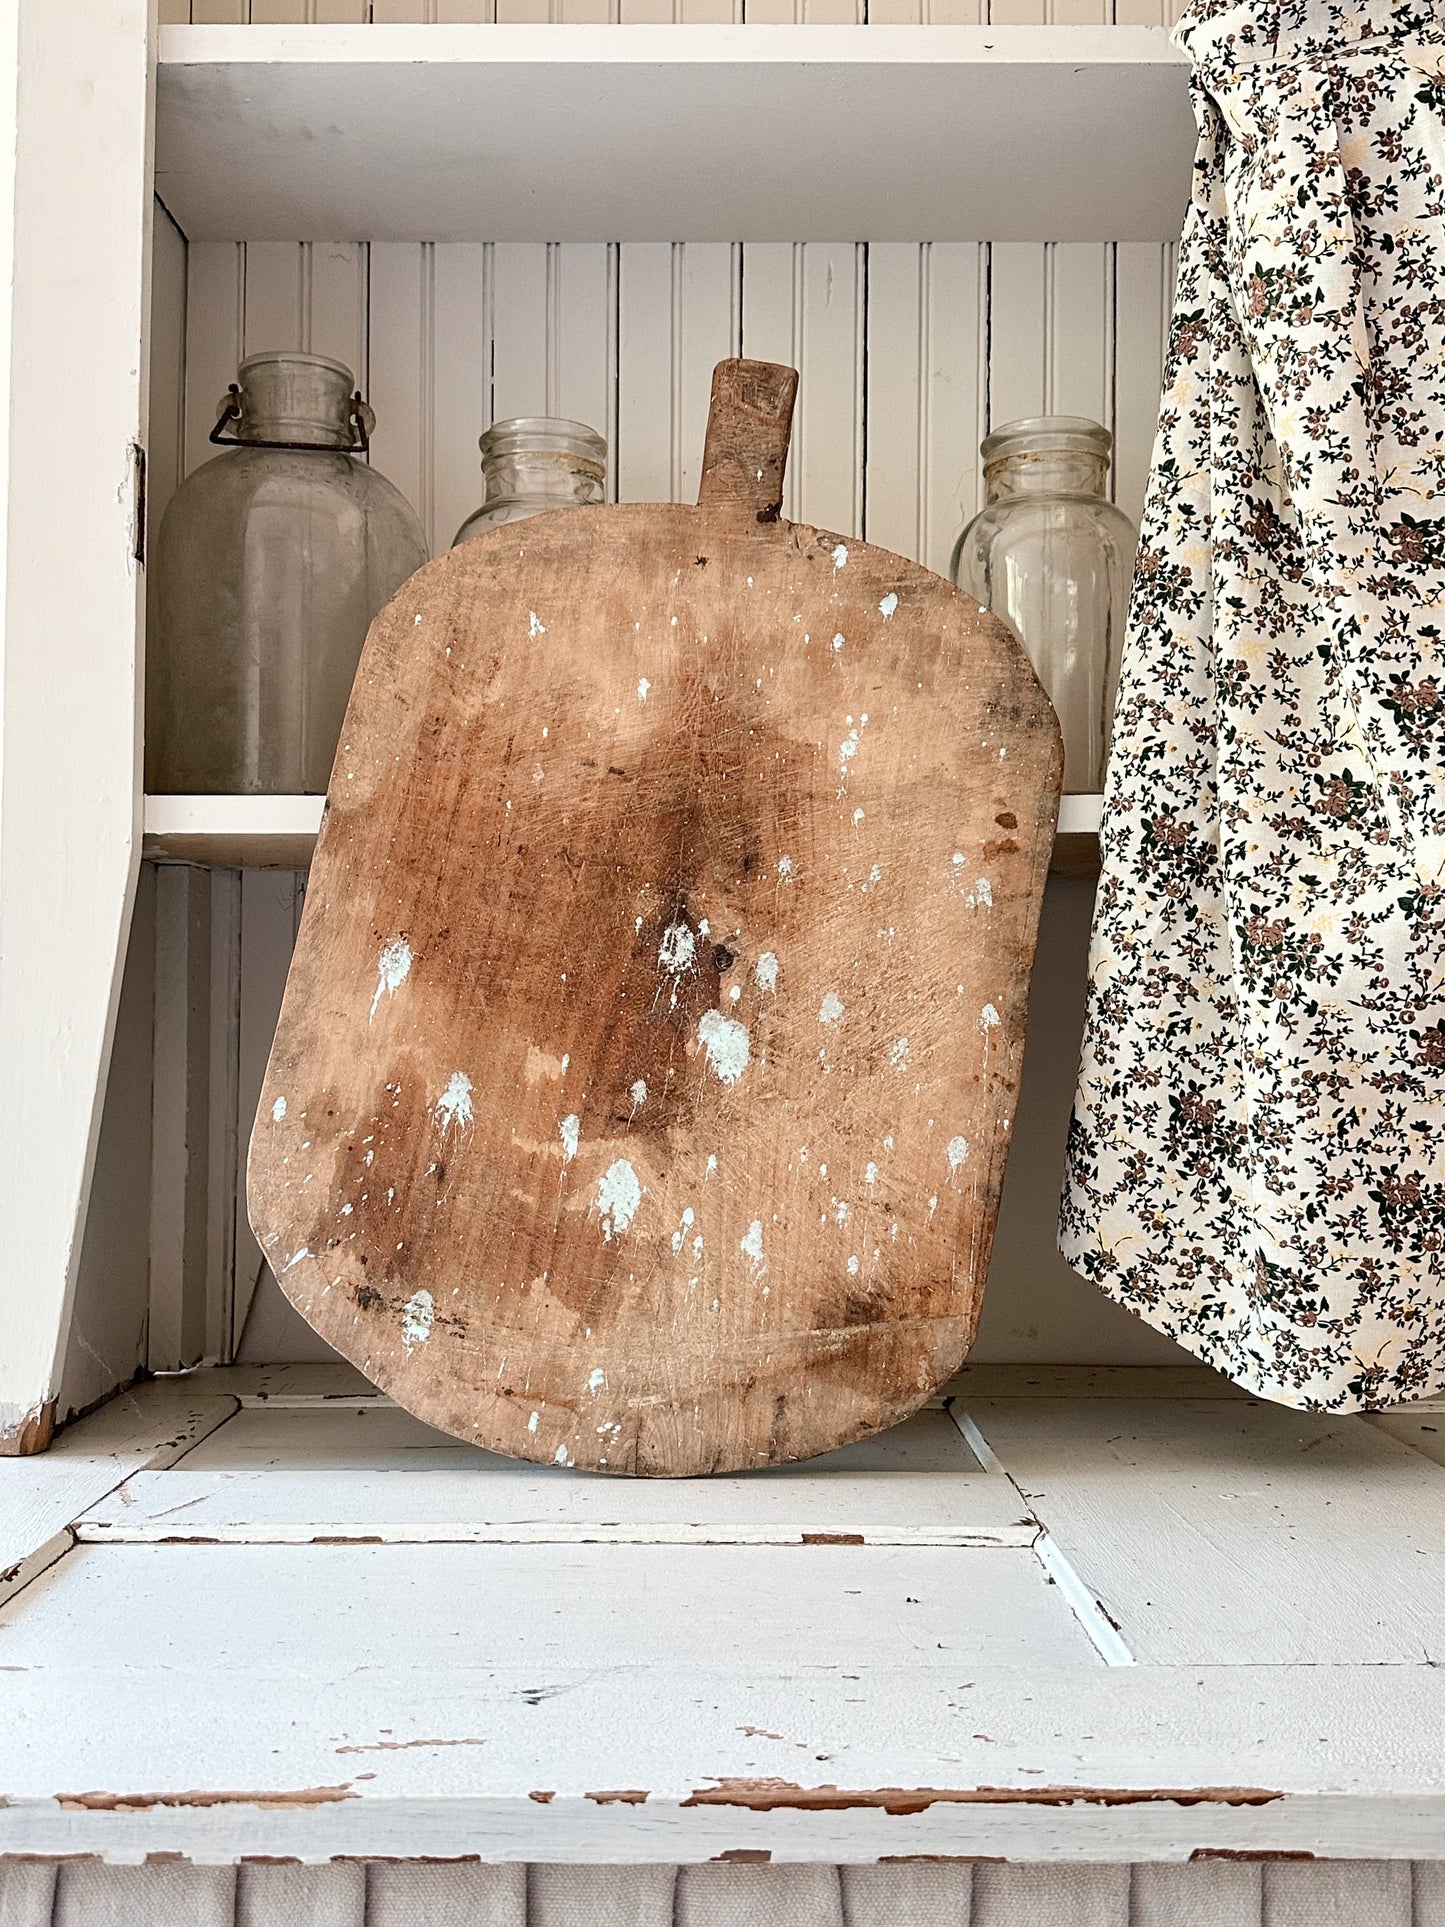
{"type": "Point", "coordinates": [957, 1152]}
{"type": "Point", "coordinates": [751, 1243]}
{"type": "Point", "coordinates": [766, 971]}
{"type": "Point", "coordinates": [454, 1106]}
{"type": "Point", "coordinates": [278, 1110]}
{"type": "Point", "coordinates": [418, 1315]}
{"type": "Point", "coordinates": [619, 1193]}
{"type": "Point", "coordinates": [726, 1043]}
{"type": "Point", "coordinates": [569, 1130]}
{"type": "Point", "coordinates": [392, 969]}
{"type": "Point", "coordinates": [831, 1009]}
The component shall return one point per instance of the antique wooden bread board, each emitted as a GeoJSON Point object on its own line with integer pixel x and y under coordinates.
{"type": "Point", "coordinates": [643, 1084]}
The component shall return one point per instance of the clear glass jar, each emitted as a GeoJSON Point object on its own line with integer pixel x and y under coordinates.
{"type": "Point", "coordinates": [534, 463]}
{"type": "Point", "coordinates": [271, 561]}
{"type": "Point", "coordinates": [1053, 556]}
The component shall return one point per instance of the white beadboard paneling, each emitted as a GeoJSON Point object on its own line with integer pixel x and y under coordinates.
{"type": "Point", "coordinates": [215, 301]}
{"type": "Point", "coordinates": [166, 413]}
{"type": "Point", "coordinates": [955, 358]}
{"type": "Point", "coordinates": [274, 303]}
{"type": "Point", "coordinates": [517, 304]}
{"type": "Point", "coordinates": [461, 383]}
{"type": "Point", "coordinates": [828, 428]}
{"type": "Point", "coordinates": [582, 315]}
{"type": "Point", "coordinates": [1078, 328]}
{"type": "Point", "coordinates": [399, 371]}
{"type": "Point", "coordinates": [333, 302]}
{"type": "Point", "coordinates": [896, 397]}
{"type": "Point", "coordinates": [269, 908]}
{"type": "Point", "coordinates": [1017, 322]}
{"type": "Point", "coordinates": [1143, 293]}
{"type": "Point", "coordinates": [644, 370]}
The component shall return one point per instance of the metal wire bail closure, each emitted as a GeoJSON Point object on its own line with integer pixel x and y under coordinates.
{"type": "Point", "coordinates": [360, 414]}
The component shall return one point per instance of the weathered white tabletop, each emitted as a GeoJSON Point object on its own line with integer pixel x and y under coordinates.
{"type": "Point", "coordinates": [1123, 1615]}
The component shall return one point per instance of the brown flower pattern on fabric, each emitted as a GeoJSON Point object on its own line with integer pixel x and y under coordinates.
{"type": "Point", "coordinates": [1257, 1156]}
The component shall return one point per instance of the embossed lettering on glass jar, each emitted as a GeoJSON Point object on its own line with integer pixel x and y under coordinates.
{"type": "Point", "coordinates": [271, 561]}
{"type": "Point", "coordinates": [1052, 555]}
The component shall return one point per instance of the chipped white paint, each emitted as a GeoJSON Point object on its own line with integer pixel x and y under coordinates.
{"type": "Point", "coordinates": [841, 1213]}
{"type": "Point", "coordinates": [295, 1258]}
{"type": "Point", "coordinates": [559, 1457]}
{"type": "Point", "coordinates": [726, 1043]}
{"type": "Point", "coordinates": [785, 867]}
{"type": "Point", "coordinates": [831, 1008]}
{"type": "Point", "coordinates": [639, 1093]}
{"type": "Point", "coordinates": [535, 627]}
{"type": "Point", "coordinates": [418, 1315]}
{"type": "Point", "coordinates": [888, 605]}
{"type": "Point", "coordinates": [643, 686]}
{"type": "Point", "coordinates": [619, 1193]}
{"type": "Point", "coordinates": [870, 1173]}
{"type": "Point", "coordinates": [569, 1130]}
{"type": "Point", "coordinates": [957, 1152]}
{"type": "Point", "coordinates": [454, 1106]}
{"type": "Point", "coordinates": [532, 1421]}
{"type": "Point", "coordinates": [853, 1266]}
{"type": "Point", "coordinates": [988, 1019]}
{"type": "Point", "coordinates": [711, 1166]}
{"type": "Point", "coordinates": [840, 556]}
{"type": "Point", "coordinates": [393, 967]}
{"type": "Point", "coordinates": [838, 640]}
{"type": "Point", "coordinates": [765, 972]}
{"type": "Point", "coordinates": [751, 1242]}
{"type": "Point", "coordinates": [983, 890]}
{"type": "Point", "coordinates": [688, 1220]}
{"type": "Point", "coordinates": [898, 1056]}
{"type": "Point", "coordinates": [596, 1379]}
{"type": "Point", "coordinates": [278, 1110]}
{"type": "Point", "coordinates": [678, 948]}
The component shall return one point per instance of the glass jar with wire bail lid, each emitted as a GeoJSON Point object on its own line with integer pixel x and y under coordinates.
{"type": "Point", "coordinates": [1052, 554]}
{"type": "Point", "coordinates": [271, 561]}
{"type": "Point", "coordinates": [534, 463]}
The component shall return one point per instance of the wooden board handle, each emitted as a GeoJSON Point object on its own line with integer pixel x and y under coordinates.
{"type": "Point", "coordinates": [748, 425]}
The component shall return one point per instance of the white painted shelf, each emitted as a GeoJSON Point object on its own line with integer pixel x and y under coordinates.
{"type": "Point", "coordinates": [696, 133]}
{"type": "Point", "coordinates": [279, 832]}
{"type": "Point", "coordinates": [1161, 1621]}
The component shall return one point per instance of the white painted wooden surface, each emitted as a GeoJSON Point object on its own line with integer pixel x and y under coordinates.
{"type": "Point", "coordinates": [295, 1476]}
{"type": "Point", "coordinates": [279, 832]}
{"type": "Point", "coordinates": [151, 1425]}
{"type": "Point", "coordinates": [1231, 1532]}
{"type": "Point", "coordinates": [698, 132]}
{"type": "Point", "coordinates": [814, 1702]}
{"type": "Point", "coordinates": [1148, 13]}
{"type": "Point", "coordinates": [69, 775]}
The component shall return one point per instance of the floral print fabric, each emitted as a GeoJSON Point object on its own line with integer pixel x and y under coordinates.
{"type": "Point", "coordinates": [1257, 1158]}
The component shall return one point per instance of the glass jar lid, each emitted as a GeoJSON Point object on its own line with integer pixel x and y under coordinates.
{"type": "Point", "coordinates": [1047, 435]}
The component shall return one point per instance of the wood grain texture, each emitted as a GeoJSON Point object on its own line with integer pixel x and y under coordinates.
{"type": "Point", "coordinates": [643, 1083]}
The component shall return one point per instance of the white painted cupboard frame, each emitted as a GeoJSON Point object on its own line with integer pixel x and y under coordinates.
{"type": "Point", "coordinates": [135, 1003]}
